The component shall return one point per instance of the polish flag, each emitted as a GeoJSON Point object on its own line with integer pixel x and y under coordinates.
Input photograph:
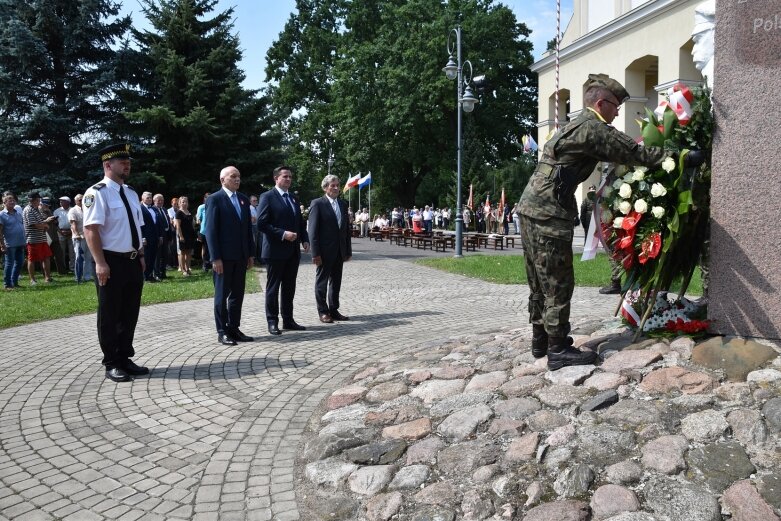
{"type": "Point", "coordinates": [351, 182]}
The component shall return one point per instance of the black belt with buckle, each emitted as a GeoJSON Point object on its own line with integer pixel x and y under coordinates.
{"type": "Point", "coordinates": [125, 255]}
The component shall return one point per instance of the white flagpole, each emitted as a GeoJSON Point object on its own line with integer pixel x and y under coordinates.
{"type": "Point", "coordinates": [370, 195]}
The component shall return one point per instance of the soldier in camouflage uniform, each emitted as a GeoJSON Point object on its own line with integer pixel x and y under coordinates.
{"type": "Point", "coordinates": [548, 212]}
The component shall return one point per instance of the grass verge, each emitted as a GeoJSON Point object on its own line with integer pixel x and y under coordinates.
{"type": "Point", "coordinates": [64, 298]}
{"type": "Point", "coordinates": [509, 269]}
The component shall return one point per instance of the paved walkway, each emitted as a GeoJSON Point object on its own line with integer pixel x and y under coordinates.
{"type": "Point", "coordinates": [213, 432]}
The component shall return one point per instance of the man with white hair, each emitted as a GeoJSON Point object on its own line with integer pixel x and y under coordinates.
{"type": "Point", "coordinates": [64, 231]}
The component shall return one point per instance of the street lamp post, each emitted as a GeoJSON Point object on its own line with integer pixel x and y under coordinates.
{"type": "Point", "coordinates": [466, 101]}
{"type": "Point", "coordinates": [330, 160]}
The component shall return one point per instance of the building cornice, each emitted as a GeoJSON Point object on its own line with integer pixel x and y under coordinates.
{"type": "Point", "coordinates": [626, 22]}
{"type": "Point", "coordinates": [664, 87]}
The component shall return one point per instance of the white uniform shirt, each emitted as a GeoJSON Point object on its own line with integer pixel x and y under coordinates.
{"type": "Point", "coordinates": [105, 208]}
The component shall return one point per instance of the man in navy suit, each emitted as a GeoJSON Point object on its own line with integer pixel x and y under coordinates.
{"type": "Point", "coordinates": [329, 232]}
{"type": "Point", "coordinates": [284, 232]}
{"type": "Point", "coordinates": [151, 235]}
{"type": "Point", "coordinates": [229, 236]}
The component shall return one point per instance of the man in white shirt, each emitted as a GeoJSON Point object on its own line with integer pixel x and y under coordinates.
{"type": "Point", "coordinates": [64, 231]}
{"type": "Point", "coordinates": [82, 263]}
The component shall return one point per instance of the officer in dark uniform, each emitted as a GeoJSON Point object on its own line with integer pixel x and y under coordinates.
{"type": "Point", "coordinates": [112, 227]}
{"type": "Point", "coordinates": [548, 212]}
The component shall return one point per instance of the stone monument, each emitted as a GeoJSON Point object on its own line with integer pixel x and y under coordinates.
{"type": "Point", "coordinates": [745, 276]}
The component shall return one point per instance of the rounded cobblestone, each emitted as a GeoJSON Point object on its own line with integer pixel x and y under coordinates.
{"type": "Point", "coordinates": [213, 432]}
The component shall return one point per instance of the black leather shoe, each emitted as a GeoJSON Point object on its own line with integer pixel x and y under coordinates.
{"type": "Point", "coordinates": [613, 289]}
{"type": "Point", "coordinates": [225, 340]}
{"type": "Point", "coordinates": [117, 374]}
{"type": "Point", "coordinates": [293, 326]}
{"type": "Point", "coordinates": [238, 336]}
{"type": "Point", "coordinates": [135, 370]}
{"type": "Point", "coordinates": [338, 316]}
{"type": "Point", "coordinates": [274, 329]}
{"type": "Point", "coordinates": [325, 318]}
{"type": "Point", "coordinates": [562, 355]}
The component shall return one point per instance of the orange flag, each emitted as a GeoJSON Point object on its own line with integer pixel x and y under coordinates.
{"type": "Point", "coordinates": [470, 203]}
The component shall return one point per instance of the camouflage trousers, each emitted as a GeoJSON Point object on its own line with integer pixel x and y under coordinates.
{"type": "Point", "coordinates": [547, 249]}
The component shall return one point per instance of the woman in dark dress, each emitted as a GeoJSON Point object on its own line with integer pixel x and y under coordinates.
{"type": "Point", "coordinates": [185, 233]}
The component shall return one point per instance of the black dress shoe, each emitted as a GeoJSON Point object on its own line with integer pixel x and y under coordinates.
{"type": "Point", "coordinates": [117, 374]}
{"type": "Point", "coordinates": [338, 316]}
{"type": "Point", "coordinates": [274, 329]}
{"type": "Point", "coordinates": [326, 318]}
{"type": "Point", "coordinates": [225, 340]}
{"type": "Point", "coordinates": [135, 370]}
{"type": "Point", "coordinates": [238, 336]}
{"type": "Point", "coordinates": [293, 326]}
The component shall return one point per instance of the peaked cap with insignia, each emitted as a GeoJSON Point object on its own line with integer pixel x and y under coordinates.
{"type": "Point", "coordinates": [115, 151]}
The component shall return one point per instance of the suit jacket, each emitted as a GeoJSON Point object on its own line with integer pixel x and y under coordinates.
{"type": "Point", "coordinates": [149, 230]}
{"type": "Point", "coordinates": [329, 239]}
{"type": "Point", "coordinates": [228, 236]}
{"type": "Point", "coordinates": [275, 217]}
{"type": "Point", "coordinates": [162, 222]}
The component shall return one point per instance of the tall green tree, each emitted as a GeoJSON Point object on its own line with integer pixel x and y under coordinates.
{"type": "Point", "coordinates": [365, 77]}
{"type": "Point", "coordinates": [188, 108]}
{"type": "Point", "coordinates": [57, 80]}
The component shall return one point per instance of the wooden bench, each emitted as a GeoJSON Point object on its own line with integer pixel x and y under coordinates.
{"type": "Point", "coordinates": [497, 241]}
{"type": "Point", "coordinates": [508, 239]}
{"type": "Point", "coordinates": [376, 235]}
{"type": "Point", "coordinates": [470, 243]}
{"type": "Point", "coordinates": [355, 233]}
{"type": "Point", "coordinates": [444, 242]}
{"type": "Point", "coordinates": [423, 242]}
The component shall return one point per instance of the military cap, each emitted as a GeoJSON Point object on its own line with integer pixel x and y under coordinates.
{"type": "Point", "coordinates": [604, 81]}
{"type": "Point", "coordinates": [34, 195]}
{"type": "Point", "coordinates": [115, 151]}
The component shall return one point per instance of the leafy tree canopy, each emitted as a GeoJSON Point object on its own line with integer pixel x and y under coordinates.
{"type": "Point", "coordinates": [364, 77]}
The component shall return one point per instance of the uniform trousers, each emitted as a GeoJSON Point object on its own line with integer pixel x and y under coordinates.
{"type": "Point", "coordinates": [119, 301]}
{"type": "Point", "coordinates": [547, 248]}
{"type": "Point", "coordinates": [281, 284]}
{"type": "Point", "coordinates": [327, 295]}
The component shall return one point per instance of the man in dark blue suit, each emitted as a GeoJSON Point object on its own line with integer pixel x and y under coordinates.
{"type": "Point", "coordinates": [329, 232]}
{"type": "Point", "coordinates": [229, 236]}
{"type": "Point", "coordinates": [284, 232]}
{"type": "Point", "coordinates": [151, 235]}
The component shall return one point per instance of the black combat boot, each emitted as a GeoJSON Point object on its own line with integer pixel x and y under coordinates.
{"type": "Point", "coordinates": [562, 354]}
{"type": "Point", "coordinates": [539, 341]}
{"type": "Point", "coordinates": [613, 289]}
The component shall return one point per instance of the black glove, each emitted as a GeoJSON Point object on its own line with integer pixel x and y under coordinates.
{"type": "Point", "coordinates": [694, 159]}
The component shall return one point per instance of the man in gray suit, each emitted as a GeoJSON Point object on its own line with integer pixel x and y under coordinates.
{"type": "Point", "coordinates": [329, 236]}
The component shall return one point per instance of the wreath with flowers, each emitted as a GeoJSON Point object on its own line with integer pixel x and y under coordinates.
{"type": "Point", "coordinates": [654, 223]}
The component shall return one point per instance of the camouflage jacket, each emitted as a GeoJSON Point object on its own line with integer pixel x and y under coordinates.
{"type": "Point", "coordinates": [570, 157]}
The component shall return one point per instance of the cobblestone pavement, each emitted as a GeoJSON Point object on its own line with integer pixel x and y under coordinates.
{"type": "Point", "coordinates": [213, 432]}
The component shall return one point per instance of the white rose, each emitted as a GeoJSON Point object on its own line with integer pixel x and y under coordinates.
{"type": "Point", "coordinates": [606, 191]}
{"type": "Point", "coordinates": [668, 165]}
{"type": "Point", "coordinates": [617, 183]}
{"type": "Point", "coordinates": [607, 217]}
{"type": "Point", "coordinates": [641, 206]}
{"type": "Point", "coordinates": [617, 222]}
{"type": "Point", "coordinates": [616, 204]}
{"type": "Point", "coordinates": [625, 207]}
{"type": "Point", "coordinates": [638, 175]}
{"type": "Point", "coordinates": [658, 190]}
{"type": "Point", "coordinates": [625, 191]}
{"type": "Point", "coordinates": [658, 212]}
{"type": "Point", "coordinates": [642, 169]}
{"type": "Point", "coordinates": [642, 186]}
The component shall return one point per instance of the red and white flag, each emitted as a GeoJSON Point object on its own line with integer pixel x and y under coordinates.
{"type": "Point", "coordinates": [351, 182]}
{"type": "Point", "coordinates": [471, 202]}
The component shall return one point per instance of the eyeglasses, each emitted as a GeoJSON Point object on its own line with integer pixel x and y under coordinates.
{"type": "Point", "coordinates": [617, 106]}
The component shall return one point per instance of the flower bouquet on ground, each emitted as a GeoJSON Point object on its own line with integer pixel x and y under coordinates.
{"type": "Point", "coordinates": [654, 223]}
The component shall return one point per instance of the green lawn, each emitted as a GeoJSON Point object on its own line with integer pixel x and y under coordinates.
{"type": "Point", "coordinates": [509, 269]}
{"type": "Point", "coordinates": [64, 298]}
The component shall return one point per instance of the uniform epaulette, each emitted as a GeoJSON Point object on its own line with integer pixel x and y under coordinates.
{"type": "Point", "coordinates": [98, 186]}
{"type": "Point", "coordinates": [129, 187]}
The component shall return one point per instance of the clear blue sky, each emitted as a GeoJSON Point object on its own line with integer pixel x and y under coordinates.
{"type": "Point", "coordinates": [259, 22]}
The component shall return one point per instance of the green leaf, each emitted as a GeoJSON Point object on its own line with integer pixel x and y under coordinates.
{"type": "Point", "coordinates": [670, 122]}
{"type": "Point", "coordinates": [684, 202]}
{"type": "Point", "coordinates": [674, 223]}
{"type": "Point", "coordinates": [652, 137]}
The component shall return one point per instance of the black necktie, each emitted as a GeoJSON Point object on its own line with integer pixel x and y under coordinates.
{"type": "Point", "coordinates": [289, 203]}
{"type": "Point", "coordinates": [130, 221]}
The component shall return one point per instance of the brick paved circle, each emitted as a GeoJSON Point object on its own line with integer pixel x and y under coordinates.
{"type": "Point", "coordinates": [213, 432]}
